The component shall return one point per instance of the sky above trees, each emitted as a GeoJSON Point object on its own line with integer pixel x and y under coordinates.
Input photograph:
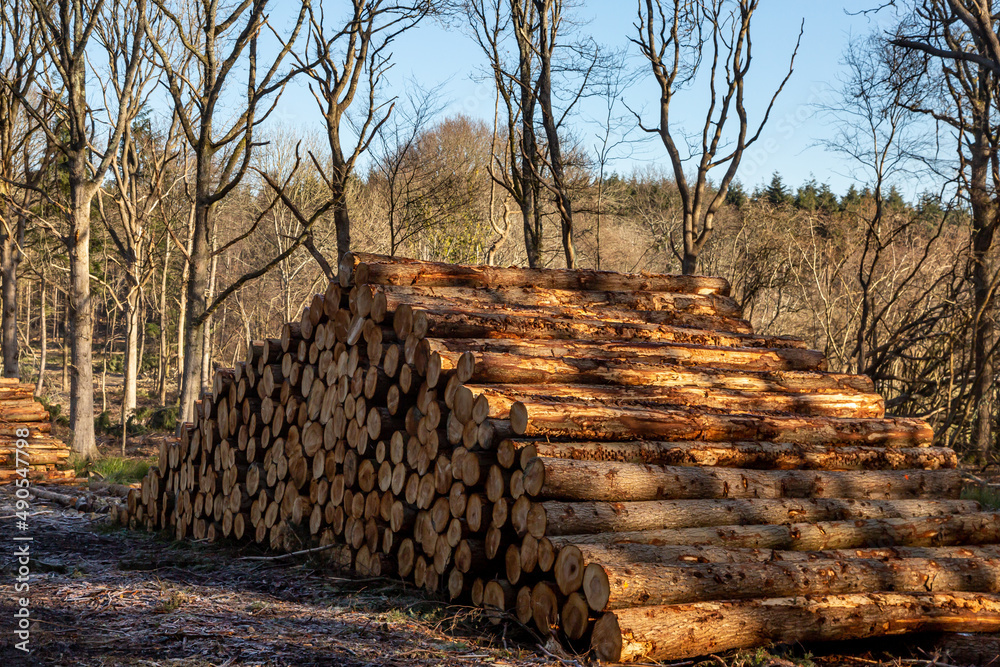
{"type": "Point", "coordinates": [438, 54]}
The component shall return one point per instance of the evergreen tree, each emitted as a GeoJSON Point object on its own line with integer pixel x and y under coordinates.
{"type": "Point", "coordinates": [776, 193]}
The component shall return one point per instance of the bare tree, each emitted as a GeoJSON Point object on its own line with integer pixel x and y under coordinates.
{"type": "Point", "coordinates": [140, 169]}
{"type": "Point", "coordinates": [350, 56]}
{"type": "Point", "coordinates": [20, 56]}
{"type": "Point", "coordinates": [675, 37]}
{"type": "Point", "coordinates": [67, 30]}
{"type": "Point", "coordinates": [215, 46]}
{"type": "Point", "coordinates": [959, 41]}
{"type": "Point", "coordinates": [514, 76]}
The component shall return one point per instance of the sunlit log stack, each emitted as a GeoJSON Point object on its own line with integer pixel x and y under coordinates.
{"type": "Point", "coordinates": [19, 411]}
{"type": "Point", "coordinates": [616, 459]}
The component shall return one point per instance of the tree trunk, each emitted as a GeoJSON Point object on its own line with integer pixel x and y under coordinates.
{"type": "Point", "coordinates": [197, 288]}
{"type": "Point", "coordinates": [81, 321]}
{"type": "Point", "coordinates": [9, 259]}
{"type": "Point", "coordinates": [131, 353]}
{"type": "Point", "coordinates": [565, 479]}
{"type": "Point", "coordinates": [162, 368]}
{"type": "Point", "coordinates": [43, 340]}
{"type": "Point", "coordinates": [682, 631]}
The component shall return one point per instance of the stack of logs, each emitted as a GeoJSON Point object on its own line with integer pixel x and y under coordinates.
{"type": "Point", "coordinates": [20, 413]}
{"type": "Point", "coordinates": [616, 459]}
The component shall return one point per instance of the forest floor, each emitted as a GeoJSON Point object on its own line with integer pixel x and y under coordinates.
{"type": "Point", "coordinates": [103, 595]}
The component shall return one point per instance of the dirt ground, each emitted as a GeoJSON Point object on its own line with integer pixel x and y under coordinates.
{"type": "Point", "coordinates": [101, 595]}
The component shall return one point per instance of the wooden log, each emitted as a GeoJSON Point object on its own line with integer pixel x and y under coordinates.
{"type": "Point", "coordinates": [626, 363]}
{"type": "Point", "coordinates": [452, 323]}
{"type": "Point", "coordinates": [364, 268]}
{"type": "Point", "coordinates": [395, 295]}
{"type": "Point", "coordinates": [618, 586]}
{"type": "Point", "coordinates": [679, 631]}
{"type": "Point", "coordinates": [961, 530]}
{"type": "Point", "coordinates": [567, 420]}
{"type": "Point", "coordinates": [450, 298]}
{"type": "Point", "coordinates": [494, 401]}
{"type": "Point", "coordinates": [746, 454]}
{"type": "Point", "coordinates": [561, 518]}
{"type": "Point", "coordinates": [567, 479]}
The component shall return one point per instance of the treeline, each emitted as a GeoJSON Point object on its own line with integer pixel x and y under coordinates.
{"type": "Point", "coordinates": [155, 218]}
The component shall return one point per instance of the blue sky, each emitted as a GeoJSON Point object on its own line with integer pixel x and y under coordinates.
{"type": "Point", "coordinates": [433, 55]}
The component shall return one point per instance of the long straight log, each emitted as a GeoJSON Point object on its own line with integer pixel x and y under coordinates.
{"type": "Point", "coordinates": [576, 518]}
{"type": "Point", "coordinates": [680, 631]}
{"type": "Point", "coordinates": [495, 401]}
{"type": "Point", "coordinates": [619, 586]}
{"type": "Point", "coordinates": [365, 268]}
{"type": "Point", "coordinates": [696, 304]}
{"type": "Point", "coordinates": [756, 455]}
{"type": "Point", "coordinates": [544, 308]}
{"type": "Point", "coordinates": [452, 323]}
{"type": "Point", "coordinates": [567, 420]}
{"type": "Point", "coordinates": [573, 558]}
{"type": "Point", "coordinates": [566, 479]}
{"type": "Point", "coordinates": [629, 362]}
{"type": "Point", "coordinates": [955, 530]}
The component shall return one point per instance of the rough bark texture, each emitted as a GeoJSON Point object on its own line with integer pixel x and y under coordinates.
{"type": "Point", "coordinates": [566, 479]}
{"type": "Point", "coordinates": [676, 632]}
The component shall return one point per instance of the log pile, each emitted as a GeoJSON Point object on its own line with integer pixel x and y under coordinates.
{"type": "Point", "coordinates": [20, 412]}
{"type": "Point", "coordinates": [617, 459]}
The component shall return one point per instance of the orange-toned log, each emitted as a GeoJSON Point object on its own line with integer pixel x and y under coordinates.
{"type": "Point", "coordinates": [578, 518]}
{"type": "Point", "coordinates": [747, 454]}
{"type": "Point", "coordinates": [600, 422]}
{"type": "Point", "coordinates": [366, 268]}
{"type": "Point", "coordinates": [567, 479]}
{"type": "Point", "coordinates": [680, 631]}
{"type": "Point", "coordinates": [622, 585]}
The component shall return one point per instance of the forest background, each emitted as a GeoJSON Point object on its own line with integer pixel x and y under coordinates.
{"type": "Point", "coordinates": [179, 177]}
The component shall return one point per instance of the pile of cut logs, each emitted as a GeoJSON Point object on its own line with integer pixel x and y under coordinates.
{"type": "Point", "coordinates": [616, 459]}
{"type": "Point", "coordinates": [19, 412]}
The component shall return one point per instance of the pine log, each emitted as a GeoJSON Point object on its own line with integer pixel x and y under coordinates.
{"type": "Point", "coordinates": [577, 518]}
{"type": "Point", "coordinates": [365, 268]}
{"type": "Point", "coordinates": [619, 586]}
{"type": "Point", "coordinates": [680, 631]}
{"type": "Point", "coordinates": [755, 455]}
{"type": "Point", "coordinates": [963, 530]}
{"type": "Point", "coordinates": [566, 479]}
{"type": "Point", "coordinates": [505, 361]}
{"type": "Point", "coordinates": [453, 323]}
{"type": "Point", "coordinates": [567, 420]}
{"type": "Point", "coordinates": [495, 401]}
{"type": "Point", "coordinates": [711, 304]}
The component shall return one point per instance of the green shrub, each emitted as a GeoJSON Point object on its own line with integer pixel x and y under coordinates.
{"type": "Point", "coordinates": [121, 471]}
{"type": "Point", "coordinates": [163, 419]}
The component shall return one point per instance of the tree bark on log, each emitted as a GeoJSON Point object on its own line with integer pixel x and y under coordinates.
{"type": "Point", "coordinates": [755, 455]}
{"type": "Point", "coordinates": [554, 518]}
{"type": "Point", "coordinates": [566, 420]}
{"type": "Point", "coordinates": [566, 479]}
{"type": "Point", "coordinates": [371, 269]}
{"type": "Point", "coordinates": [696, 304]}
{"type": "Point", "coordinates": [452, 323]}
{"type": "Point", "coordinates": [498, 361]}
{"type": "Point", "coordinates": [496, 400]}
{"type": "Point", "coordinates": [682, 631]}
{"type": "Point", "coordinates": [622, 585]}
